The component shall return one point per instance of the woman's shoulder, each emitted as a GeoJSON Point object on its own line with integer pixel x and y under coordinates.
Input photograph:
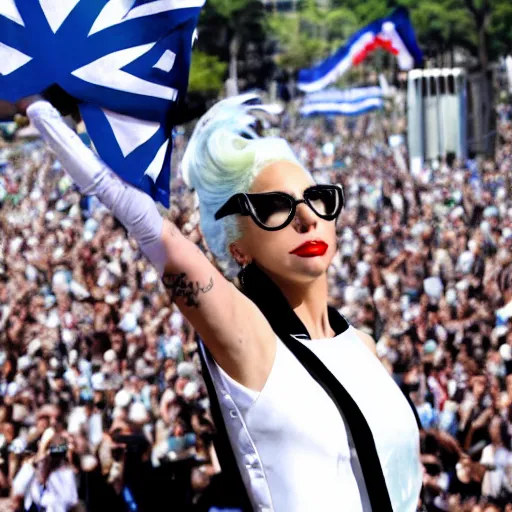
{"type": "Point", "coordinates": [367, 340]}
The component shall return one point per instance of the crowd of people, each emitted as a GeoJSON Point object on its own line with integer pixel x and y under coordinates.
{"type": "Point", "coordinates": [94, 356]}
{"type": "Point", "coordinates": [102, 405]}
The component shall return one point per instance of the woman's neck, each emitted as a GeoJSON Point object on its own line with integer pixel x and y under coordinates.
{"type": "Point", "coordinates": [309, 302]}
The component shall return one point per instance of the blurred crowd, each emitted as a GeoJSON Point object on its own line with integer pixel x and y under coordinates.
{"type": "Point", "coordinates": [102, 405]}
{"type": "Point", "coordinates": [99, 371]}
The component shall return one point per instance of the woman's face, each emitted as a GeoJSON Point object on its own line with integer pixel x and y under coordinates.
{"type": "Point", "coordinates": [272, 250]}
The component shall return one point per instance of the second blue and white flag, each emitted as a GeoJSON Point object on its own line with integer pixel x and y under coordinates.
{"type": "Point", "coordinates": [394, 34]}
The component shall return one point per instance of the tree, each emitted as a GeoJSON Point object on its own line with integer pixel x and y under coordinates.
{"type": "Point", "coordinates": [240, 32]}
{"type": "Point", "coordinates": [207, 73]}
{"type": "Point", "coordinates": [367, 11]}
{"type": "Point", "coordinates": [297, 49]}
{"type": "Point", "coordinates": [442, 26]}
{"type": "Point", "coordinates": [481, 12]}
{"type": "Point", "coordinates": [228, 27]}
{"type": "Point", "coordinates": [500, 40]}
{"type": "Point", "coordinates": [310, 34]}
{"type": "Point", "coordinates": [480, 26]}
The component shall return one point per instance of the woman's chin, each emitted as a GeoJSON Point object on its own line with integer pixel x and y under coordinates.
{"type": "Point", "coordinates": [299, 270]}
{"type": "Point", "coordinates": [312, 267]}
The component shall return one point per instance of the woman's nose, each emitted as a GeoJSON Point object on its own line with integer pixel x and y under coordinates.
{"type": "Point", "coordinates": [305, 218]}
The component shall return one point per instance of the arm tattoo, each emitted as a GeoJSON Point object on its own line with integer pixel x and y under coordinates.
{"type": "Point", "coordinates": [179, 286]}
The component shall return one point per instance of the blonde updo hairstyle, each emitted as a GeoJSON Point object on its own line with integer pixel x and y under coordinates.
{"type": "Point", "coordinates": [223, 158]}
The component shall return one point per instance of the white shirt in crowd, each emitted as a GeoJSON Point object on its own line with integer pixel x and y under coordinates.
{"type": "Point", "coordinates": [58, 495]}
{"type": "Point", "coordinates": [501, 477]}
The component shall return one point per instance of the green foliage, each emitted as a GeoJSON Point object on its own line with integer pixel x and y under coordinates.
{"type": "Point", "coordinates": [315, 31]}
{"type": "Point", "coordinates": [500, 29]}
{"type": "Point", "coordinates": [310, 34]}
{"type": "Point", "coordinates": [341, 23]}
{"type": "Point", "coordinates": [234, 32]}
{"type": "Point", "coordinates": [480, 26]}
{"type": "Point", "coordinates": [442, 24]}
{"type": "Point", "coordinates": [207, 73]}
{"type": "Point", "coordinates": [224, 20]}
{"type": "Point", "coordinates": [298, 48]}
{"type": "Point", "coordinates": [227, 8]}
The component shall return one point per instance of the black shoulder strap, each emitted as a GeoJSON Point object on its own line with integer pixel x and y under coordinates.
{"type": "Point", "coordinates": [413, 407]}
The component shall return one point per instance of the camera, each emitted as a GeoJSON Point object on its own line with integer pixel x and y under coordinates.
{"type": "Point", "coordinates": [58, 450]}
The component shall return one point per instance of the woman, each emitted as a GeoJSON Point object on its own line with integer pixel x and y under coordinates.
{"type": "Point", "coordinates": [314, 420]}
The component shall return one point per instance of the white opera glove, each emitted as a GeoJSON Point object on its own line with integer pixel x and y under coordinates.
{"type": "Point", "coordinates": [135, 209]}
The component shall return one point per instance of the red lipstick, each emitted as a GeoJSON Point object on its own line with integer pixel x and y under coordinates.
{"type": "Point", "coordinates": [311, 249]}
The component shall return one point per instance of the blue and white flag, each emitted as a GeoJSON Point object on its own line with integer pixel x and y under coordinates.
{"type": "Point", "coordinates": [347, 102]}
{"type": "Point", "coordinates": [394, 34]}
{"type": "Point", "coordinates": [353, 95]}
{"type": "Point", "coordinates": [126, 61]}
{"type": "Point", "coordinates": [342, 109]}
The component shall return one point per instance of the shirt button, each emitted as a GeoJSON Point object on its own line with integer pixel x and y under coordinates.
{"type": "Point", "coordinates": [233, 413]}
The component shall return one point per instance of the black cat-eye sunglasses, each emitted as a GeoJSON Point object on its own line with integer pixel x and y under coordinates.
{"type": "Point", "coordinates": [275, 210]}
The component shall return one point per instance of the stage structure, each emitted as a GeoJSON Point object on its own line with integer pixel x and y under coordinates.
{"type": "Point", "coordinates": [481, 113]}
{"type": "Point", "coordinates": [450, 112]}
{"type": "Point", "coordinates": [436, 115]}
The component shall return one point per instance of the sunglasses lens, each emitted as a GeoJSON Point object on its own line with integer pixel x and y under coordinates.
{"type": "Point", "coordinates": [325, 201]}
{"type": "Point", "coordinates": [272, 210]}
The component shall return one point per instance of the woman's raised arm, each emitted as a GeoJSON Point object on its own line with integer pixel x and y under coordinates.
{"type": "Point", "coordinates": [232, 327]}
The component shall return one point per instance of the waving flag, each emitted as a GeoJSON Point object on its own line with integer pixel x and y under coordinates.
{"type": "Point", "coordinates": [347, 102]}
{"type": "Point", "coordinates": [353, 95]}
{"type": "Point", "coordinates": [393, 33]}
{"type": "Point", "coordinates": [127, 61]}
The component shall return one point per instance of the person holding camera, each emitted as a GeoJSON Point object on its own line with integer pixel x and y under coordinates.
{"type": "Point", "coordinates": [47, 483]}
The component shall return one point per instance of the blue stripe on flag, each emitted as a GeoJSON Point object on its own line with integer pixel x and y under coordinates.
{"type": "Point", "coordinates": [405, 29]}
